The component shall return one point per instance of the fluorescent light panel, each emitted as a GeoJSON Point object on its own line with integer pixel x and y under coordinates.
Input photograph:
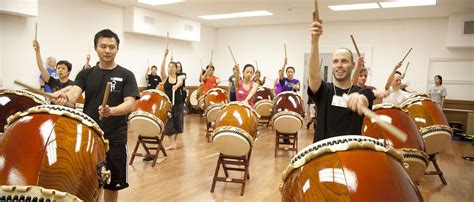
{"type": "Point", "coordinates": [237, 15]}
{"type": "Point", "coordinates": [158, 2]}
{"type": "Point", "coordinates": [407, 3]}
{"type": "Point", "coordinates": [354, 6]}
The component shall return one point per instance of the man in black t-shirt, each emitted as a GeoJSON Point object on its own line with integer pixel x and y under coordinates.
{"type": "Point", "coordinates": [123, 93]}
{"type": "Point", "coordinates": [63, 69]}
{"type": "Point", "coordinates": [152, 78]}
{"type": "Point", "coordinates": [339, 103]}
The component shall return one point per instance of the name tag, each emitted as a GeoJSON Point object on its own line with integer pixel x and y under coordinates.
{"type": "Point", "coordinates": [339, 101]}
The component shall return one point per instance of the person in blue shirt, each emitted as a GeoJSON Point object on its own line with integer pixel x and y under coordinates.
{"type": "Point", "coordinates": [51, 68]}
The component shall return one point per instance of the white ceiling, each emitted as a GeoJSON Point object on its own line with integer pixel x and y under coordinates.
{"type": "Point", "coordinates": [296, 11]}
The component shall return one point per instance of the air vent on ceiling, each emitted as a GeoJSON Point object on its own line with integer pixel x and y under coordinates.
{"type": "Point", "coordinates": [188, 28]}
{"type": "Point", "coordinates": [149, 20]}
{"type": "Point", "coordinates": [468, 27]}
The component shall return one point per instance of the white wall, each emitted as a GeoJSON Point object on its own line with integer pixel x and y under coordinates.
{"type": "Point", "coordinates": [384, 42]}
{"type": "Point", "coordinates": [66, 31]}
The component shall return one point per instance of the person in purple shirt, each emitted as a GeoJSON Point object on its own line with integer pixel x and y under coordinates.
{"type": "Point", "coordinates": [288, 83]}
{"type": "Point", "coordinates": [278, 87]}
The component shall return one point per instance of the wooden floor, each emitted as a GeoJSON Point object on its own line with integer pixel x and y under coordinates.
{"type": "Point", "coordinates": [186, 174]}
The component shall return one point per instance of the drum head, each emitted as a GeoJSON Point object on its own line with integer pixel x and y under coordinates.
{"type": "Point", "coordinates": [232, 144]}
{"type": "Point", "coordinates": [287, 122]}
{"type": "Point", "coordinates": [144, 123]}
{"type": "Point", "coordinates": [264, 107]}
{"type": "Point", "coordinates": [436, 141]}
{"type": "Point", "coordinates": [211, 114]}
{"type": "Point", "coordinates": [417, 162]}
{"type": "Point", "coordinates": [193, 99]}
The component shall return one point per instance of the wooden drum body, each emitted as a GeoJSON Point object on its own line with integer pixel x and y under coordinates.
{"type": "Point", "coordinates": [412, 148]}
{"type": "Point", "coordinates": [348, 168]}
{"type": "Point", "coordinates": [235, 129]}
{"type": "Point", "coordinates": [54, 147]}
{"type": "Point", "coordinates": [151, 113]}
{"type": "Point", "coordinates": [80, 103]}
{"type": "Point", "coordinates": [288, 112]}
{"type": "Point", "coordinates": [431, 121]}
{"type": "Point", "coordinates": [13, 101]}
{"type": "Point", "coordinates": [213, 100]}
{"type": "Point", "coordinates": [263, 101]}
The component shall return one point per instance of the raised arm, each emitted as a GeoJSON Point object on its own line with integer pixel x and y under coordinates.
{"type": "Point", "coordinates": [207, 72]}
{"type": "Point", "coordinates": [360, 65]}
{"type": "Point", "coordinates": [252, 92]}
{"type": "Point", "coordinates": [147, 73]}
{"type": "Point", "coordinates": [390, 78]}
{"type": "Point", "coordinates": [314, 71]}
{"type": "Point", "coordinates": [282, 72]}
{"type": "Point", "coordinates": [39, 62]}
{"type": "Point", "coordinates": [163, 64]}
{"type": "Point", "coordinates": [236, 76]}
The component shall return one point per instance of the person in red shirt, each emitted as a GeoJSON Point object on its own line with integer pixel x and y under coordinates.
{"type": "Point", "coordinates": [208, 79]}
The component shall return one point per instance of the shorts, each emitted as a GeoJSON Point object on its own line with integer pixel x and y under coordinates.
{"type": "Point", "coordinates": [116, 159]}
{"type": "Point", "coordinates": [175, 122]}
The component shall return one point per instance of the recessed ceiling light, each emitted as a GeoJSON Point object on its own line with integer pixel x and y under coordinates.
{"type": "Point", "coordinates": [407, 3]}
{"type": "Point", "coordinates": [158, 2]}
{"type": "Point", "coordinates": [236, 15]}
{"type": "Point", "coordinates": [354, 6]}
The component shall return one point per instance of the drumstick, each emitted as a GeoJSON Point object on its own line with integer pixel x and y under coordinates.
{"type": "Point", "coordinates": [256, 65]}
{"type": "Point", "coordinates": [44, 94]}
{"type": "Point", "coordinates": [212, 54]}
{"type": "Point", "coordinates": [36, 31]}
{"type": "Point", "coordinates": [167, 39]}
{"type": "Point", "coordinates": [232, 54]}
{"type": "Point", "coordinates": [406, 55]}
{"type": "Point", "coordinates": [321, 63]}
{"type": "Point", "coordinates": [316, 11]}
{"type": "Point", "coordinates": [106, 97]}
{"type": "Point", "coordinates": [385, 125]}
{"type": "Point", "coordinates": [285, 51]}
{"type": "Point", "coordinates": [404, 73]}
{"type": "Point", "coordinates": [355, 45]}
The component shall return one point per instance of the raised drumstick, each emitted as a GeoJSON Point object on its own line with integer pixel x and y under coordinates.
{"type": "Point", "coordinates": [316, 11]}
{"type": "Point", "coordinates": [106, 97]}
{"type": "Point", "coordinates": [36, 31]}
{"type": "Point", "coordinates": [286, 56]}
{"type": "Point", "coordinates": [355, 45]}
{"type": "Point", "coordinates": [44, 94]}
{"type": "Point", "coordinates": [232, 54]}
{"type": "Point", "coordinates": [404, 73]}
{"type": "Point", "coordinates": [212, 54]}
{"type": "Point", "coordinates": [406, 55]}
{"type": "Point", "coordinates": [167, 39]}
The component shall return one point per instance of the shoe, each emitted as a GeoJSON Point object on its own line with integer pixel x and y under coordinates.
{"type": "Point", "coordinates": [148, 158]}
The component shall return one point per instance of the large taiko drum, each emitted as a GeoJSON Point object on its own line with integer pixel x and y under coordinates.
{"type": "Point", "coordinates": [263, 101]}
{"type": "Point", "coordinates": [412, 148]}
{"type": "Point", "coordinates": [28, 193]}
{"type": "Point", "coordinates": [235, 129]}
{"type": "Point", "coordinates": [13, 101]}
{"type": "Point", "coordinates": [288, 112]}
{"type": "Point", "coordinates": [151, 113]}
{"type": "Point", "coordinates": [54, 147]}
{"type": "Point", "coordinates": [348, 168]}
{"type": "Point", "coordinates": [213, 100]}
{"type": "Point", "coordinates": [431, 121]}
